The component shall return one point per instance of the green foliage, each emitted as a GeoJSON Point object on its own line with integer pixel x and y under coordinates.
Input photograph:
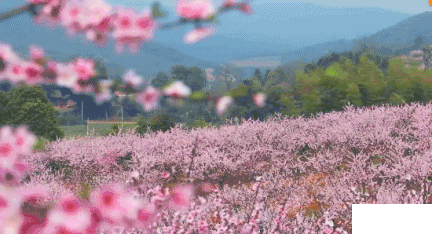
{"type": "Point", "coordinates": [162, 122]}
{"type": "Point", "coordinates": [157, 12]}
{"type": "Point", "coordinates": [4, 116]}
{"type": "Point", "coordinates": [276, 77]}
{"type": "Point", "coordinates": [396, 99]}
{"type": "Point", "coordinates": [40, 144]}
{"type": "Point", "coordinates": [160, 81]}
{"type": "Point", "coordinates": [289, 108]}
{"type": "Point", "coordinates": [200, 123]}
{"type": "Point", "coordinates": [55, 166]}
{"type": "Point", "coordinates": [30, 106]}
{"type": "Point", "coordinates": [115, 128]}
{"type": "Point", "coordinates": [85, 190]}
{"type": "Point", "coordinates": [124, 161]}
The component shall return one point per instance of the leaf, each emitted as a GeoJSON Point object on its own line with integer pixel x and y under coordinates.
{"type": "Point", "coordinates": [157, 12]}
{"type": "Point", "coordinates": [197, 95]}
{"type": "Point", "coordinates": [214, 19]}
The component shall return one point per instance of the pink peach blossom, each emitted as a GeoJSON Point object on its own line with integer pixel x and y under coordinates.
{"type": "Point", "coordinates": [84, 68]}
{"type": "Point", "coordinates": [32, 73]}
{"type": "Point", "coordinates": [194, 9]}
{"type": "Point", "coordinates": [177, 90]}
{"type": "Point", "coordinates": [259, 99]}
{"type": "Point", "coordinates": [36, 53]}
{"type": "Point", "coordinates": [149, 98]}
{"type": "Point", "coordinates": [198, 34]}
{"type": "Point", "coordinates": [133, 79]}
{"type": "Point", "coordinates": [180, 197]}
{"type": "Point", "coordinates": [222, 104]}
{"type": "Point", "coordinates": [66, 75]}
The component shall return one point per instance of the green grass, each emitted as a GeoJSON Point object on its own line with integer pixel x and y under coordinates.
{"type": "Point", "coordinates": [81, 130]}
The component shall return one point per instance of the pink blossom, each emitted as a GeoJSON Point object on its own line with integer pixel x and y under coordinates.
{"type": "Point", "coordinates": [132, 79]}
{"type": "Point", "coordinates": [165, 174]}
{"type": "Point", "coordinates": [66, 75]}
{"type": "Point", "coordinates": [48, 13]}
{"type": "Point", "coordinates": [24, 140]}
{"type": "Point", "coordinates": [10, 203]}
{"type": "Point", "coordinates": [111, 203]}
{"type": "Point", "coordinates": [104, 93]}
{"type": "Point", "coordinates": [259, 99]}
{"type": "Point", "coordinates": [194, 9]}
{"type": "Point", "coordinates": [72, 17]}
{"type": "Point", "coordinates": [181, 196]}
{"type": "Point", "coordinates": [223, 103]}
{"type": "Point", "coordinates": [32, 72]}
{"type": "Point", "coordinates": [39, 1]}
{"type": "Point", "coordinates": [15, 71]}
{"type": "Point", "coordinates": [177, 90]}
{"type": "Point", "coordinates": [149, 99]}
{"type": "Point", "coordinates": [229, 3]}
{"type": "Point", "coordinates": [36, 53]}
{"type": "Point", "coordinates": [99, 10]}
{"type": "Point", "coordinates": [84, 68]}
{"type": "Point", "coordinates": [146, 216]}
{"type": "Point", "coordinates": [78, 88]}
{"type": "Point", "coordinates": [9, 152]}
{"type": "Point", "coordinates": [246, 8]}
{"type": "Point", "coordinates": [198, 34]}
{"type": "Point", "coordinates": [132, 28]}
{"type": "Point", "coordinates": [6, 53]}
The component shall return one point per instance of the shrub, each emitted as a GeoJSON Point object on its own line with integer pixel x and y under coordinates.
{"type": "Point", "coordinates": [161, 122]}
{"type": "Point", "coordinates": [40, 144]}
{"type": "Point", "coordinates": [115, 128]}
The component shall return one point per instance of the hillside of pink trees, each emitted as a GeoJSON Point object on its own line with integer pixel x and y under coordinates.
{"type": "Point", "coordinates": [285, 175]}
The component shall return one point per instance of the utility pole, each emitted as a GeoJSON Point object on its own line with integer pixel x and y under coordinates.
{"type": "Point", "coordinates": [106, 115]}
{"type": "Point", "coordinates": [82, 110]}
{"type": "Point", "coordinates": [122, 95]}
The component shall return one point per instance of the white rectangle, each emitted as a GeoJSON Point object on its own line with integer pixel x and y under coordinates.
{"type": "Point", "coordinates": [391, 218]}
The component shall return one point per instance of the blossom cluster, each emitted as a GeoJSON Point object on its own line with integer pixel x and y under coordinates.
{"type": "Point", "coordinates": [97, 19]}
{"type": "Point", "coordinates": [80, 76]}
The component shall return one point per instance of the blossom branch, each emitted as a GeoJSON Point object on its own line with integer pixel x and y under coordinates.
{"type": "Point", "coordinates": [30, 7]}
{"type": "Point", "coordinates": [18, 10]}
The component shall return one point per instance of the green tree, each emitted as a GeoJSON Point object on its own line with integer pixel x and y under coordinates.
{"type": "Point", "coordinates": [160, 81]}
{"type": "Point", "coordinates": [4, 115]}
{"type": "Point", "coordinates": [41, 119]}
{"type": "Point", "coordinates": [333, 94]}
{"type": "Point", "coordinates": [427, 56]}
{"type": "Point", "coordinates": [276, 77]}
{"type": "Point", "coordinates": [30, 106]}
{"type": "Point", "coordinates": [371, 76]}
{"type": "Point", "coordinates": [289, 106]}
{"type": "Point", "coordinates": [311, 103]}
{"type": "Point", "coordinates": [348, 66]}
{"type": "Point", "coordinates": [195, 79]}
{"type": "Point", "coordinates": [257, 75]}
{"type": "Point", "coordinates": [396, 99]}
{"type": "Point", "coordinates": [266, 76]}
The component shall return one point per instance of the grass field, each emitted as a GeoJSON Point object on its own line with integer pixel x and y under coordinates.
{"type": "Point", "coordinates": [81, 130]}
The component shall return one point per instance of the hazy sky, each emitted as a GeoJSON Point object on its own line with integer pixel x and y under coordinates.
{"type": "Point", "coordinates": [407, 6]}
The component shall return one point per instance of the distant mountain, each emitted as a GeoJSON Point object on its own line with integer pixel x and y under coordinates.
{"type": "Point", "coordinates": [278, 27]}
{"type": "Point", "coordinates": [400, 38]}
{"type": "Point", "coordinates": [410, 34]}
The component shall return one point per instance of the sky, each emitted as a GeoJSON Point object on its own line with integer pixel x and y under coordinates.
{"type": "Point", "coordinates": [406, 6]}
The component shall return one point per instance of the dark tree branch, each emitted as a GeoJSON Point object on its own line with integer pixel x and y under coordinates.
{"type": "Point", "coordinates": [17, 11]}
